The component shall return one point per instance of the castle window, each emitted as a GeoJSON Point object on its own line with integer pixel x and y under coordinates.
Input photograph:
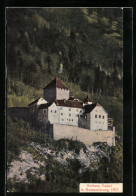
{"type": "Point", "coordinates": [61, 114]}
{"type": "Point", "coordinates": [55, 111]}
{"type": "Point", "coordinates": [80, 111]}
{"type": "Point", "coordinates": [99, 116]}
{"type": "Point", "coordinates": [69, 109]}
{"type": "Point", "coordinates": [72, 119]}
{"type": "Point", "coordinates": [95, 115]}
{"type": "Point", "coordinates": [102, 117]}
{"type": "Point", "coordinates": [62, 119]}
{"type": "Point", "coordinates": [51, 110]}
{"type": "Point", "coordinates": [69, 114]}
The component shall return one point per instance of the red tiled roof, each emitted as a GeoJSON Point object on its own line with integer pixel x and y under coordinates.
{"type": "Point", "coordinates": [45, 105]}
{"type": "Point", "coordinates": [56, 83]}
{"type": "Point", "coordinates": [89, 108]}
{"type": "Point", "coordinates": [68, 103]}
{"type": "Point", "coordinates": [34, 101]}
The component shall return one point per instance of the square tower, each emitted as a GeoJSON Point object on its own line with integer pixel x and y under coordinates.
{"type": "Point", "coordinates": [55, 90]}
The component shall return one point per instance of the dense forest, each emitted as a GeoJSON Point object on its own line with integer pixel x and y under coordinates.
{"type": "Point", "coordinates": [81, 46]}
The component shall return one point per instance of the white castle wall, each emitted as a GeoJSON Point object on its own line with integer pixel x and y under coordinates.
{"type": "Point", "coordinates": [62, 93]}
{"type": "Point", "coordinates": [84, 135]}
{"type": "Point", "coordinates": [64, 115]}
{"type": "Point", "coordinates": [98, 119]}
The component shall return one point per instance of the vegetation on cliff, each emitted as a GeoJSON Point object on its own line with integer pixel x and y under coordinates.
{"type": "Point", "coordinates": [36, 162]}
{"type": "Point", "coordinates": [83, 47]}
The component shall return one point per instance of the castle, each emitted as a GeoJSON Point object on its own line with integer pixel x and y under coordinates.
{"type": "Point", "coordinates": [69, 113]}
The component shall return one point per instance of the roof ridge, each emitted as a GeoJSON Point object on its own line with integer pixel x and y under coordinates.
{"type": "Point", "coordinates": [56, 83]}
{"type": "Point", "coordinates": [61, 82]}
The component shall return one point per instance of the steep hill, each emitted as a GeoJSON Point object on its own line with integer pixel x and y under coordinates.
{"type": "Point", "coordinates": [79, 45]}
{"type": "Point", "coordinates": [36, 163]}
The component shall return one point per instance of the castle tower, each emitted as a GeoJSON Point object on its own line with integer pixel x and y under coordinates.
{"type": "Point", "coordinates": [55, 90]}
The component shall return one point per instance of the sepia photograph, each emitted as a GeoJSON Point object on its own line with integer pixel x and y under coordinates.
{"type": "Point", "coordinates": [64, 99]}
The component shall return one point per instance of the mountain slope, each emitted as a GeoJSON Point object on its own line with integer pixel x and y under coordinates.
{"type": "Point", "coordinates": [36, 163]}
{"type": "Point", "coordinates": [48, 42]}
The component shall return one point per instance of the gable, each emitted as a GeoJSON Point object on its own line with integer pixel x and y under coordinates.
{"type": "Point", "coordinates": [56, 83]}
{"type": "Point", "coordinates": [99, 108]}
{"type": "Point", "coordinates": [90, 108]}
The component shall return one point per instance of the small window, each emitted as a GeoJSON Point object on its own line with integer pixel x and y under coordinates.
{"type": "Point", "coordinates": [95, 115]}
{"type": "Point", "coordinates": [44, 111]}
{"type": "Point", "coordinates": [51, 110]}
{"type": "Point", "coordinates": [69, 109]}
{"type": "Point", "coordinates": [102, 117]}
{"type": "Point", "coordinates": [62, 119]}
{"type": "Point", "coordinates": [69, 114]}
{"type": "Point", "coordinates": [72, 119]}
{"type": "Point", "coordinates": [55, 111]}
{"type": "Point", "coordinates": [80, 111]}
{"type": "Point", "coordinates": [99, 116]}
{"type": "Point", "coordinates": [61, 114]}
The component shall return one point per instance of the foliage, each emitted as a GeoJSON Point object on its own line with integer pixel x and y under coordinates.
{"type": "Point", "coordinates": [59, 178]}
{"type": "Point", "coordinates": [81, 46]}
{"type": "Point", "coordinates": [18, 137]}
{"type": "Point", "coordinates": [20, 95]}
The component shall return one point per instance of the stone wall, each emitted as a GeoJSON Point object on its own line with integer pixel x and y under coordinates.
{"type": "Point", "coordinates": [62, 93]}
{"type": "Point", "coordinates": [84, 135]}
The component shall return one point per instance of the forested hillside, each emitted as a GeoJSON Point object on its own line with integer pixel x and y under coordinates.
{"type": "Point", "coordinates": [82, 46]}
